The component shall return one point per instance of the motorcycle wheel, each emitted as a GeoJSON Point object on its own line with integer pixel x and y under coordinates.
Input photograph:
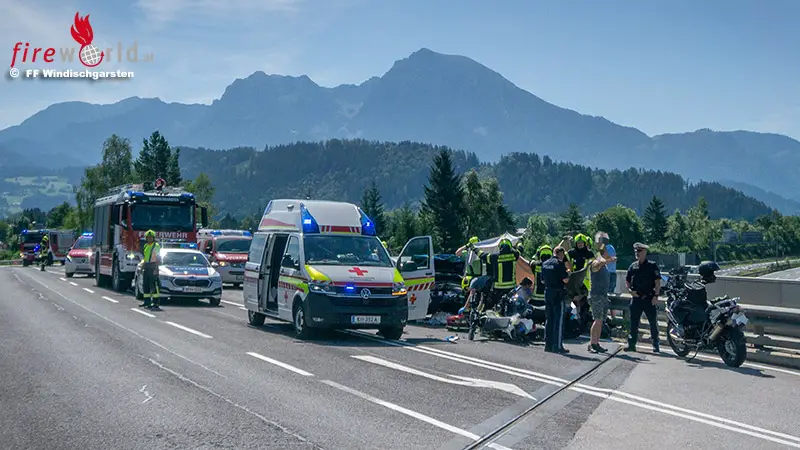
{"type": "Point", "coordinates": [680, 350]}
{"type": "Point", "coordinates": [732, 347]}
{"type": "Point", "coordinates": [473, 323]}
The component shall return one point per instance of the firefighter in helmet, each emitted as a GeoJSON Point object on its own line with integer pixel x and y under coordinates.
{"type": "Point", "coordinates": [44, 251]}
{"type": "Point", "coordinates": [150, 262]}
{"type": "Point", "coordinates": [543, 253]}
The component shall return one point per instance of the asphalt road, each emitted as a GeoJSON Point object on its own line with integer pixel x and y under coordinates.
{"type": "Point", "coordinates": [790, 274]}
{"type": "Point", "coordinates": [85, 368]}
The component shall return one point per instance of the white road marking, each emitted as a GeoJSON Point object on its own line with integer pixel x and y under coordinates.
{"type": "Point", "coordinates": [243, 308]}
{"type": "Point", "coordinates": [110, 299]}
{"type": "Point", "coordinates": [143, 390]}
{"type": "Point", "coordinates": [142, 312]}
{"type": "Point", "coordinates": [63, 279]}
{"type": "Point", "coordinates": [613, 392]}
{"type": "Point", "coordinates": [689, 416]}
{"type": "Point", "coordinates": [616, 396]}
{"type": "Point", "coordinates": [462, 381]}
{"type": "Point", "coordinates": [231, 303]}
{"type": "Point", "coordinates": [410, 413]}
{"type": "Point", "coordinates": [88, 290]}
{"type": "Point", "coordinates": [188, 330]}
{"type": "Point", "coordinates": [73, 283]}
{"type": "Point", "coordinates": [712, 358]}
{"type": "Point", "coordinates": [123, 327]}
{"type": "Point", "coordinates": [281, 364]}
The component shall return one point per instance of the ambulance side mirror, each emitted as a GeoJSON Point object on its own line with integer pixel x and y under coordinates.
{"type": "Point", "coordinates": [409, 266]}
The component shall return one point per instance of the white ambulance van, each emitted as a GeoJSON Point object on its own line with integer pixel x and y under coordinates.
{"type": "Point", "coordinates": [319, 264]}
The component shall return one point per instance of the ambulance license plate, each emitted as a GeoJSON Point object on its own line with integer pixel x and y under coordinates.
{"type": "Point", "coordinates": [365, 320]}
{"type": "Point", "coordinates": [191, 289]}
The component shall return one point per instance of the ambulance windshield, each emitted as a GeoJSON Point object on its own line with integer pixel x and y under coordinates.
{"type": "Point", "coordinates": [336, 250]}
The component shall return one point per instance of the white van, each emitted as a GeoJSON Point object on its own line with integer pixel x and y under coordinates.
{"type": "Point", "coordinates": [319, 264]}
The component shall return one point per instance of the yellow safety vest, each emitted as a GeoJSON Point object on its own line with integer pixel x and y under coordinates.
{"type": "Point", "coordinates": [148, 252]}
{"type": "Point", "coordinates": [506, 271]}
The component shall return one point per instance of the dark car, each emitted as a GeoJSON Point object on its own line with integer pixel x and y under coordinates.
{"type": "Point", "coordinates": [447, 294]}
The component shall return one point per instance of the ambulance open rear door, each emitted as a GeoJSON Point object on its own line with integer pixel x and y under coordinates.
{"type": "Point", "coordinates": [415, 264]}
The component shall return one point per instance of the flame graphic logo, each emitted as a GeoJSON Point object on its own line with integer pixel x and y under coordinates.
{"type": "Point", "coordinates": [81, 30]}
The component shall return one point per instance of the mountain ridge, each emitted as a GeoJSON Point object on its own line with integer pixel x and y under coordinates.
{"type": "Point", "coordinates": [428, 97]}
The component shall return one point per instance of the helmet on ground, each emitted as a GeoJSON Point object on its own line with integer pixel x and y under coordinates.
{"type": "Point", "coordinates": [473, 240]}
{"type": "Point", "coordinates": [150, 233]}
{"type": "Point", "coordinates": [706, 271]}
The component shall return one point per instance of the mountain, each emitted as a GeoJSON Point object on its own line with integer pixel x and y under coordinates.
{"type": "Point", "coordinates": [246, 179]}
{"type": "Point", "coordinates": [426, 97]}
{"type": "Point", "coordinates": [783, 205]}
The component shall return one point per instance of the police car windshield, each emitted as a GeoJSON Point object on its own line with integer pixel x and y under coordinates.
{"type": "Point", "coordinates": [184, 259]}
{"type": "Point", "coordinates": [83, 243]}
{"type": "Point", "coordinates": [233, 245]}
{"type": "Point", "coordinates": [163, 217]}
{"type": "Point", "coordinates": [345, 250]}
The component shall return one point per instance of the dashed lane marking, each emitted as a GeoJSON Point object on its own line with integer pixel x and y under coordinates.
{"type": "Point", "coordinates": [414, 414]}
{"type": "Point", "coordinates": [110, 299]}
{"type": "Point", "coordinates": [188, 330]}
{"type": "Point", "coordinates": [73, 283]}
{"type": "Point", "coordinates": [88, 290]}
{"type": "Point", "coordinates": [231, 303]}
{"type": "Point", "coordinates": [137, 310]}
{"type": "Point", "coordinates": [280, 364]}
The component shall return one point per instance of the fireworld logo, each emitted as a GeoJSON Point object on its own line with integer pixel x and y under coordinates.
{"type": "Point", "coordinates": [83, 34]}
{"type": "Point", "coordinates": [88, 54]}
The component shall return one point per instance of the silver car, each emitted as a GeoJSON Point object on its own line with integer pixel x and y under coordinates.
{"type": "Point", "coordinates": [184, 273]}
{"type": "Point", "coordinates": [77, 260]}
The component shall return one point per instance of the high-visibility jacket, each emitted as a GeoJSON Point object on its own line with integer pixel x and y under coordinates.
{"type": "Point", "coordinates": [151, 252]}
{"type": "Point", "coordinates": [502, 267]}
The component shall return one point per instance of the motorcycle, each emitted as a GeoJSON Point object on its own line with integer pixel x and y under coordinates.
{"type": "Point", "coordinates": [695, 323]}
{"type": "Point", "coordinates": [511, 319]}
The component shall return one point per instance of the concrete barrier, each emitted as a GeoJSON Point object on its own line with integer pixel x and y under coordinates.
{"type": "Point", "coordinates": [752, 291]}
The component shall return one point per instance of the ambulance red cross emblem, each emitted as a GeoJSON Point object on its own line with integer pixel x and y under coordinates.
{"type": "Point", "coordinates": [358, 271]}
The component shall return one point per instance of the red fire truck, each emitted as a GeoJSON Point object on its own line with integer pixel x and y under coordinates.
{"type": "Point", "coordinates": [121, 219]}
{"type": "Point", "coordinates": [60, 242]}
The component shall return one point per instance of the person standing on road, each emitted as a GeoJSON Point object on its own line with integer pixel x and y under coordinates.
{"type": "Point", "coordinates": [598, 296]}
{"type": "Point", "coordinates": [554, 273]}
{"type": "Point", "coordinates": [150, 281]}
{"type": "Point", "coordinates": [643, 281]}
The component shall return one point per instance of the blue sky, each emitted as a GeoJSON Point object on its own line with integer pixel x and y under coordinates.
{"type": "Point", "coordinates": [660, 66]}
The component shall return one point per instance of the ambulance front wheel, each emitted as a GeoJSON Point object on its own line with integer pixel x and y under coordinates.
{"type": "Point", "coordinates": [256, 319]}
{"type": "Point", "coordinates": [301, 329]}
{"type": "Point", "coordinates": [393, 333]}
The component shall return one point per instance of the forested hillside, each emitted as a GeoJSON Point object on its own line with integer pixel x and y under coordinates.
{"type": "Point", "coordinates": [245, 179]}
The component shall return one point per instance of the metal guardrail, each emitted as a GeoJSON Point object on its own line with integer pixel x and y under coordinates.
{"type": "Point", "coordinates": [11, 262]}
{"type": "Point", "coordinates": [770, 329]}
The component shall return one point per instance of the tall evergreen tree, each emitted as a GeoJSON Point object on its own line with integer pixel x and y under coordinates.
{"type": "Point", "coordinates": [444, 202]}
{"type": "Point", "coordinates": [117, 161]}
{"type": "Point", "coordinates": [655, 221]}
{"type": "Point", "coordinates": [372, 204]}
{"type": "Point", "coordinates": [404, 226]}
{"type": "Point", "coordinates": [156, 160]}
{"type": "Point", "coordinates": [572, 220]}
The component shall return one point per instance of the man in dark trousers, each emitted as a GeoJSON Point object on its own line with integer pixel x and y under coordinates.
{"type": "Point", "coordinates": [643, 281]}
{"type": "Point", "coordinates": [555, 276]}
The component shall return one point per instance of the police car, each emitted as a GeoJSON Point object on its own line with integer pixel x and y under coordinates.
{"type": "Point", "coordinates": [184, 272]}
{"type": "Point", "coordinates": [77, 260]}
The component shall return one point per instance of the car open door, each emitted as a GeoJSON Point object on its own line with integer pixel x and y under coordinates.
{"type": "Point", "coordinates": [415, 264]}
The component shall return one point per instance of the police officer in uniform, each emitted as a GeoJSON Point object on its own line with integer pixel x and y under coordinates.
{"type": "Point", "coordinates": [555, 275]}
{"type": "Point", "coordinates": [643, 281]}
{"type": "Point", "coordinates": [150, 281]}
